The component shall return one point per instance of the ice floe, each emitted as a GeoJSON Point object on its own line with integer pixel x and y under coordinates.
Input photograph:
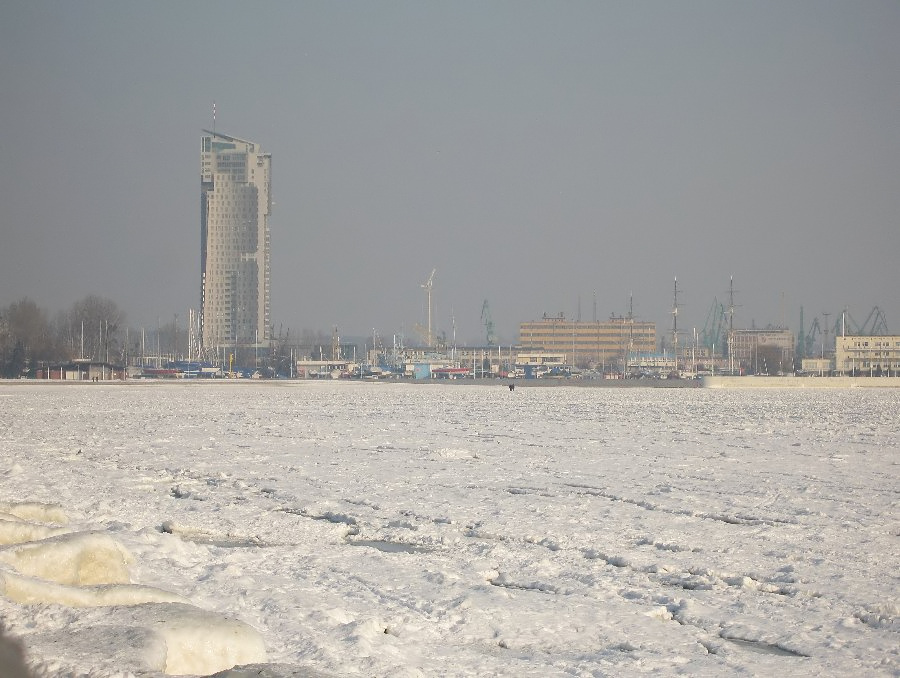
{"type": "Point", "coordinates": [142, 628]}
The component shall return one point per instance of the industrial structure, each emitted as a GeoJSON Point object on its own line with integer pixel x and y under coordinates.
{"type": "Point", "coordinates": [235, 205]}
{"type": "Point", "coordinates": [426, 330]}
{"type": "Point", "coordinates": [818, 340]}
{"type": "Point", "coordinates": [490, 334]}
{"type": "Point", "coordinates": [610, 342]}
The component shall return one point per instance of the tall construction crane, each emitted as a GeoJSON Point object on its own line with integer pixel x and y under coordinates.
{"type": "Point", "coordinates": [488, 324]}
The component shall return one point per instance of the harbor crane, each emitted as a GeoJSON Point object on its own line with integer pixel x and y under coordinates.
{"type": "Point", "coordinates": [488, 324]}
{"type": "Point", "coordinates": [715, 331]}
{"type": "Point", "coordinates": [874, 325]}
{"type": "Point", "coordinates": [809, 340]}
{"type": "Point", "coordinates": [844, 325]}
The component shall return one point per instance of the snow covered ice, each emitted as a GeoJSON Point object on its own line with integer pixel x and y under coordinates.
{"type": "Point", "coordinates": [362, 529]}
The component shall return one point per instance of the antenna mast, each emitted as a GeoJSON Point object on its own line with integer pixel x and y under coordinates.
{"type": "Point", "coordinates": [675, 324]}
{"type": "Point", "coordinates": [731, 324]}
{"type": "Point", "coordinates": [429, 336]}
{"type": "Point", "coordinates": [630, 348]}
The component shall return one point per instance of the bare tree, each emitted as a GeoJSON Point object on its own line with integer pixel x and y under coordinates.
{"type": "Point", "coordinates": [26, 338]}
{"type": "Point", "coordinates": [98, 323]}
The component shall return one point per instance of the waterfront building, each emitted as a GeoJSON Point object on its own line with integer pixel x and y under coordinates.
{"type": "Point", "coordinates": [769, 350]}
{"type": "Point", "coordinates": [235, 205]}
{"type": "Point", "coordinates": [817, 366]}
{"type": "Point", "coordinates": [868, 355]}
{"type": "Point", "coordinates": [81, 370]}
{"type": "Point", "coordinates": [589, 343]}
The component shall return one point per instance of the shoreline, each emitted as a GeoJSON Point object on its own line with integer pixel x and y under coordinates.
{"type": "Point", "coordinates": [505, 383]}
{"type": "Point", "coordinates": [801, 382]}
{"type": "Point", "coordinates": [708, 382]}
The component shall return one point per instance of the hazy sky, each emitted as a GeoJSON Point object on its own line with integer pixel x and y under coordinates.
{"type": "Point", "coordinates": [534, 153]}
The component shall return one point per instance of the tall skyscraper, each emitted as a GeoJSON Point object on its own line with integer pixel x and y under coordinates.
{"type": "Point", "coordinates": [235, 204]}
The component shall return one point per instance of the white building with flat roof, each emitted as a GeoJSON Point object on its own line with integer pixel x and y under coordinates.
{"type": "Point", "coordinates": [867, 355]}
{"type": "Point", "coordinates": [235, 205]}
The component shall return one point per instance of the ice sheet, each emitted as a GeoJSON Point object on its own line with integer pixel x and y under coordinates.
{"type": "Point", "coordinates": [405, 530]}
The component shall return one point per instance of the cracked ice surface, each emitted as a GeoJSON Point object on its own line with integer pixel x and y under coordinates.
{"type": "Point", "coordinates": [403, 530]}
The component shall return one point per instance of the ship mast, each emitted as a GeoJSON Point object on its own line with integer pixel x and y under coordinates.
{"type": "Point", "coordinates": [675, 324]}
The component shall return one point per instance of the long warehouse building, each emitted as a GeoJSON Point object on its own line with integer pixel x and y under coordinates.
{"type": "Point", "coordinates": [589, 343]}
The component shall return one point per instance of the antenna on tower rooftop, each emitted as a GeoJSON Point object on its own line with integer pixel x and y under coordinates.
{"type": "Point", "coordinates": [214, 117]}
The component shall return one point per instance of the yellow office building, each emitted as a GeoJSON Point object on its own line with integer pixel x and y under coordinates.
{"type": "Point", "coordinates": [589, 343]}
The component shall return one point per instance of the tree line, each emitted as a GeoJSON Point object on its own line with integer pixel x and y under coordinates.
{"type": "Point", "coordinates": [93, 328]}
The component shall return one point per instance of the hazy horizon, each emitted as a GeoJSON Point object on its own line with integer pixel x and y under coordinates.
{"type": "Point", "coordinates": [545, 157]}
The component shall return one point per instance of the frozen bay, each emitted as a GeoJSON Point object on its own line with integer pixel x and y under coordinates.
{"type": "Point", "coordinates": [433, 529]}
